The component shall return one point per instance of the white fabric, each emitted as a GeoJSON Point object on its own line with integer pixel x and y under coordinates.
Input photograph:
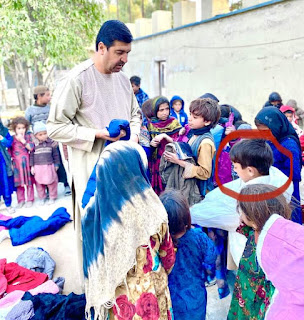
{"type": "Point", "coordinates": [218, 210]}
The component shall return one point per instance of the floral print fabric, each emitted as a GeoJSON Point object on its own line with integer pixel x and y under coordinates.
{"type": "Point", "coordinates": [252, 291]}
{"type": "Point", "coordinates": [145, 295]}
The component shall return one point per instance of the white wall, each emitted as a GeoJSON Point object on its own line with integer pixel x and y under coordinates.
{"type": "Point", "coordinates": [240, 58]}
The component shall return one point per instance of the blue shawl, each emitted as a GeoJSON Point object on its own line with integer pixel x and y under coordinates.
{"type": "Point", "coordinates": [121, 216]}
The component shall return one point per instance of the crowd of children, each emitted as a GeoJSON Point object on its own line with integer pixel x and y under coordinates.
{"type": "Point", "coordinates": [28, 157]}
{"type": "Point", "coordinates": [246, 167]}
{"type": "Point", "coordinates": [156, 263]}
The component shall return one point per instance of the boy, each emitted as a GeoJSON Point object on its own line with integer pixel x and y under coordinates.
{"type": "Point", "coordinates": [204, 115]}
{"type": "Point", "coordinates": [40, 110]}
{"type": "Point", "coordinates": [140, 95]}
{"type": "Point", "coordinates": [252, 161]}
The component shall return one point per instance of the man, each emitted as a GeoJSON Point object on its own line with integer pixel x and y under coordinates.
{"type": "Point", "coordinates": [87, 99]}
{"type": "Point", "coordinates": [40, 110]}
{"type": "Point", "coordinates": [140, 95]}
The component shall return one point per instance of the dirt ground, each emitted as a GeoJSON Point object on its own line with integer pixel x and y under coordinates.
{"type": "Point", "coordinates": [62, 248]}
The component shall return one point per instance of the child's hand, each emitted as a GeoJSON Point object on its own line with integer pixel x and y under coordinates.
{"type": "Point", "coordinates": [155, 142]}
{"type": "Point", "coordinates": [182, 131]}
{"type": "Point", "coordinates": [171, 157]}
{"type": "Point", "coordinates": [33, 171]}
{"type": "Point", "coordinates": [56, 168]}
{"type": "Point", "coordinates": [229, 130]}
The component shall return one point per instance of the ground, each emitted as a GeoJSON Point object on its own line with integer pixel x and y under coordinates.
{"type": "Point", "coordinates": [62, 248]}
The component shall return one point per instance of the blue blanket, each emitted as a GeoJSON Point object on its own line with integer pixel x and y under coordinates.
{"type": "Point", "coordinates": [24, 229]}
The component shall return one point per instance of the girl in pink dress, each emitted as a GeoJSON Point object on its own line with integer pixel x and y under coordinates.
{"type": "Point", "coordinates": [20, 152]}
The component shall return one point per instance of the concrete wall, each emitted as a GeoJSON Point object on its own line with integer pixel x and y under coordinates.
{"type": "Point", "coordinates": [240, 58]}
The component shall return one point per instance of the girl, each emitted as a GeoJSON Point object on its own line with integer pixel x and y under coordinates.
{"type": "Point", "coordinates": [290, 114]}
{"type": "Point", "coordinates": [163, 129]}
{"type": "Point", "coordinates": [194, 248]}
{"type": "Point", "coordinates": [44, 162]}
{"type": "Point", "coordinates": [279, 250]}
{"type": "Point", "coordinates": [273, 119]}
{"type": "Point", "coordinates": [21, 146]}
{"type": "Point", "coordinates": [6, 172]}
{"type": "Point", "coordinates": [127, 250]}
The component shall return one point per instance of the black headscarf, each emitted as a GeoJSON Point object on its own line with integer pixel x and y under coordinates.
{"type": "Point", "coordinates": [278, 124]}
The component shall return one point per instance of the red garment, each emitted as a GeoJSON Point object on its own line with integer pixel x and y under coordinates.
{"type": "Point", "coordinates": [14, 277]}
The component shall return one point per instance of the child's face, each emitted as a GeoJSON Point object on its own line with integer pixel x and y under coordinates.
{"type": "Point", "coordinates": [44, 99]}
{"type": "Point", "coordinates": [163, 112]}
{"type": "Point", "coordinates": [177, 105]}
{"type": "Point", "coordinates": [135, 88]}
{"type": "Point", "coordinates": [41, 136]}
{"type": "Point", "coordinates": [289, 116]}
{"type": "Point", "coordinates": [197, 122]}
{"type": "Point", "coordinates": [244, 219]}
{"type": "Point", "coordinates": [20, 129]}
{"type": "Point", "coordinates": [262, 127]}
{"type": "Point", "coordinates": [244, 174]}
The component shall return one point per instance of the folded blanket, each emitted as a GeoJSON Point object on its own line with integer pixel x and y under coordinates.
{"type": "Point", "coordinates": [24, 229]}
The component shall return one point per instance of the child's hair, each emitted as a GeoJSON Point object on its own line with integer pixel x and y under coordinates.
{"type": "Point", "coordinates": [20, 120]}
{"type": "Point", "coordinates": [225, 110]}
{"type": "Point", "coordinates": [135, 80]}
{"type": "Point", "coordinates": [206, 108]}
{"type": "Point", "coordinates": [253, 153]}
{"type": "Point", "coordinates": [259, 211]}
{"type": "Point", "coordinates": [178, 211]}
{"type": "Point", "coordinates": [288, 112]}
{"type": "Point", "coordinates": [147, 109]}
{"type": "Point", "coordinates": [239, 123]}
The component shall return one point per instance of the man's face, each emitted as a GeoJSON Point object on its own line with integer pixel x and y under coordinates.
{"type": "Point", "coordinates": [44, 99]}
{"type": "Point", "coordinates": [115, 57]}
{"type": "Point", "coordinates": [135, 88]}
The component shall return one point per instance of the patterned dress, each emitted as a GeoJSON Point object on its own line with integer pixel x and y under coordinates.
{"type": "Point", "coordinates": [20, 156]}
{"type": "Point", "coordinates": [252, 291]}
{"type": "Point", "coordinates": [147, 295]}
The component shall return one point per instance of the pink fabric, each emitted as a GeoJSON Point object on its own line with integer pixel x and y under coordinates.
{"type": "Point", "coordinates": [15, 296]}
{"type": "Point", "coordinates": [4, 218]}
{"type": "Point", "coordinates": [29, 191]}
{"type": "Point", "coordinates": [280, 252]}
{"type": "Point", "coordinates": [53, 190]}
{"type": "Point", "coordinates": [45, 173]}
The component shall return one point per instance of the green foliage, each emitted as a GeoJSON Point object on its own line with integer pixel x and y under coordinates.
{"type": "Point", "coordinates": [43, 33]}
{"type": "Point", "coordinates": [130, 10]}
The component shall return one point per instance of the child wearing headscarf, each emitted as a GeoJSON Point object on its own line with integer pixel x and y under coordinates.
{"type": "Point", "coordinates": [273, 119]}
{"type": "Point", "coordinates": [6, 172]}
{"type": "Point", "coordinates": [127, 249]}
{"type": "Point", "coordinates": [163, 129]}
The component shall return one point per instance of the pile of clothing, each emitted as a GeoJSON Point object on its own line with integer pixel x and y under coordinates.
{"type": "Point", "coordinates": [27, 290]}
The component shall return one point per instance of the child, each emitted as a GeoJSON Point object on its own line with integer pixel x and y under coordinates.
{"type": "Point", "coordinates": [177, 110]}
{"type": "Point", "coordinates": [44, 162]}
{"type": "Point", "coordinates": [163, 129]}
{"type": "Point", "coordinates": [279, 250]}
{"type": "Point", "coordinates": [144, 136]}
{"type": "Point", "coordinates": [6, 172]}
{"type": "Point", "coordinates": [41, 109]}
{"type": "Point", "coordinates": [290, 114]}
{"type": "Point", "coordinates": [273, 119]}
{"type": "Point", "coordinates": [204, 115]}
{"type": "Point", "coordinates": [194, 248]}
{"type": "Point", "coordinates": [21, 146]}
{"type": "Point", "coordinates": [252, 160]}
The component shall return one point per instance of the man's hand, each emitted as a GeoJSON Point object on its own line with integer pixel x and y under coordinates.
{"type": "Point", "coordinates": [104, 134]}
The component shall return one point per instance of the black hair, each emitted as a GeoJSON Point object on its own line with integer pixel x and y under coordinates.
{"type": "Point", "coordinates": [239, 122]}
{"type": "Point", "coordinates": [210, 96]}
{"type": "Point", "coordinates": [178, 211]}
{"type": "Point", "coordinates": [135, 80]}
{"type": "Point", "coordinates": [113, 30]}
{"type": "Point", "coordinates": [274, 96]}
{"type": "Point", "coordinates": [225, 110]}
{"type": "Point", "coordinates": [253, 153]}
{"type": "Point", "coordinates": [39, 94]}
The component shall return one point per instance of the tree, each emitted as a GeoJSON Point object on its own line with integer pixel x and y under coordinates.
{"type": "Point", "coordinates": [38, 35]}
